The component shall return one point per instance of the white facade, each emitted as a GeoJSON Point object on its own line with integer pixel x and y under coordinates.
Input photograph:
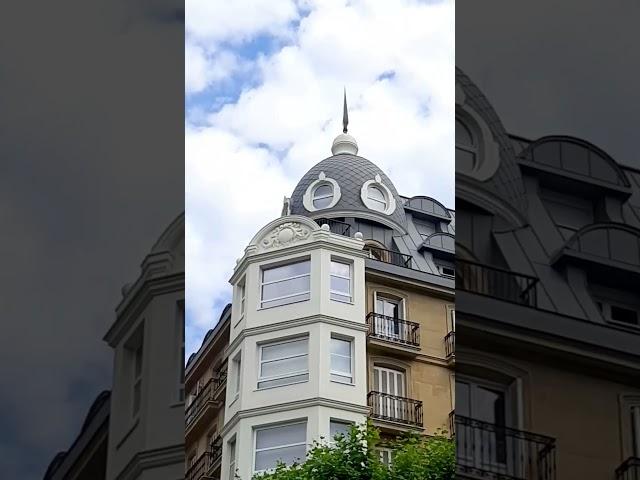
{"type": "Point", "coordinates": [302, 389]}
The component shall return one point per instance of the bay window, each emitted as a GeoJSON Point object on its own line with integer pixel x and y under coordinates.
{"type": "Point", "coordinates": [341, 360]}
{"type": "Point", "coordinates": [281, 443]}
{"type": "Point", "coordinates": [340, 284]}
{"type": "Point", "coordinates": [284, 363]}
{"type": "Point", "coordinates": [286, 284]}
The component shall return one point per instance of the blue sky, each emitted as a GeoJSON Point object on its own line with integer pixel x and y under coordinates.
{"type": "Point", "coordinates": [264, 81]}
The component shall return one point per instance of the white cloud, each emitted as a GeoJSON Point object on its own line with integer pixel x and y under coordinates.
{"type": "Point", "coordinates": [396, 58]}
{"type": "Point", "coordinates": [205, 67]}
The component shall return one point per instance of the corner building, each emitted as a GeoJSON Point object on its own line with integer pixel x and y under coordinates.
{"type": "Point", "coordinates": [342, 311]}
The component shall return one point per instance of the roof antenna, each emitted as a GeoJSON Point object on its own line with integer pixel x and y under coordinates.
{"type": "Point", "coordinates": [345, 113]}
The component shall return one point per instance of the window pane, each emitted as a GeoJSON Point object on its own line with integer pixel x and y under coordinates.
{"type": "Point", "coordinates": [342, 269]}
{"type": "Point", "coordinates": [283, 435]}
{"type": "Point", "coordinates": [269, 458]}
{"type": "Point", "coordinates": [285, 287]}
{"type": "Point", "coordinates": [341, 347]}
{"type": "Point", "coordinates": [283, 367]}
{"type": "Point", "coordinates": [284, 301]}
{"type": "Point", "coordinates": [286, 271]}
{"type": "Point", "coordinates": [463, 135]}
{"type": "Point", "coordinates": [339, 284]}
{"type": "Point", "coordinates": [374, 193]}
{"type": "Point", "coordinates": [287, 349]}
{"type": "Point", "coordinates": [338, 428]}
{"type": "Point", "coordinates": [340, 298]}
{"type": "Point", "coordinates": [340, 364]}
{"type": "Point", "coordinates": [278, 382]}
{"type": "Point", "coordinates": [465, 161]}
{"type": "Point", "coordinates": [322, 202]}
{"type": "Point", "coordinates": [323, 190]}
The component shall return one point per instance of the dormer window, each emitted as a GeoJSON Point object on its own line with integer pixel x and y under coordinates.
{"type": "Point", "coordinates": [466, 148]}
{"type": "Point", "coordinates": [322, 196]}
{"type": "Point", "coordinates": [323, 193]}
{"type": "Point", "coordinates": [377, 198]}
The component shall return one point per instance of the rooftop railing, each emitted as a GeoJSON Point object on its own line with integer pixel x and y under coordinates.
{"type": "Point", "coordinates": [395, 409]}
{"type": "Point", "coordinates": [393, 329]}
{"type": "Point", "coordinates": [496, 282]}
{"type": "Point", "coordinates": [205, 395]}
{"type": "Point", "coordinates": [629, 470]}
{"type": "Point", "coordinates": [450, 344]}
{"type": "Point", "coordinates": [389, 256]}
{"type": "Point", "coordinates": [335, 226]}
{"type": "Point", "coordinates": [498, 452]}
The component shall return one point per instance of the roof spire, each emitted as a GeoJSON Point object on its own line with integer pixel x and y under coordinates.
{"type": "Point", "coordinates": [344, 143]}
{"type": "Point", "coordinates": [345, 113]}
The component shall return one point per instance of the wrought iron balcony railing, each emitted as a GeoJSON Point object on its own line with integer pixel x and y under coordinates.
{"type": "Point", "coordinates": [450, 344]}
{"type": "Point", "coordinates": [394, 329]}
{"type": "Point", "coordinates": [206, 394]}
{"type": "Point", "coordinates": [395, 409]}
{"type": "Point", "coordinates": [206, 462]}
{"type": "Point", "coordinates": [495, 451]}
{"type": "Point", "coordinates": [629, 470]}
{"type": "Point", "coordinates": [389, 256]}
{"type": "Point", "coordinates": [496, 282]}
{"type": "Point", "coordinates": [335, 226]}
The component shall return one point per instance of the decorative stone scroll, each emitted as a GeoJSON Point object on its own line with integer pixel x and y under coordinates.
{"type": "Point", "coordinates": [284, 235]}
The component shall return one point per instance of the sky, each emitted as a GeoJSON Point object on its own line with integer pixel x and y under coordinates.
{"type": "Point", "coordinates": [264, 81]}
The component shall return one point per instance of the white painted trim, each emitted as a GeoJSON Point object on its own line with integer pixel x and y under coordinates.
{"type": "Point", "coordinates": [307, 198]}
{"type": "Point", "coordinates": [364, 196]}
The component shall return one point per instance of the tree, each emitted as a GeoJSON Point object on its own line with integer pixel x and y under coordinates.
{"type": "Point", "coordinates": [354, 457]}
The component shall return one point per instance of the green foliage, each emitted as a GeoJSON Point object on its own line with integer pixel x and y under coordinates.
{"type": "Point", "coordinates": [353, 457]}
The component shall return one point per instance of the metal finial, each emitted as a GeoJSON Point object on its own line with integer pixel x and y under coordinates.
{"type": "Point", "coordinates": [345, 114]}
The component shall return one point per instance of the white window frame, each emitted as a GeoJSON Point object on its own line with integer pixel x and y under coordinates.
{"type": "Point", "coordinates": [287, 375]}
{"type": "Point", "coordinates": [315, 196]}
{"type": "Point", "coordinates": [242, 296]}
{"type": "Point", "coordinates": [389, 452]}
{"type": "Point", "coordinates": [137, 366]}
{"type": "Point", "coordinates": [349, 278]}
{"type": "Point", "coordinates": [371, 204]}
{"type": "Point", "coordinates": [308, 197]}
{"type": "Point", "coordinates": [348, 423]}
{"type": "Point", "coordinates": [232, 457]}
{"type": "Point", "coordinates": [237, 367]}
{"type": "Point", "coordinates": [337, 376]}
{"type": "Point", "coordinates": [375, 201]}
{"type": "Point", "coordinates": [270, 427]}
{"type": "Point", "coordinates": [264, 268]}
{"type": "Point", "coordinates": [635, 429]}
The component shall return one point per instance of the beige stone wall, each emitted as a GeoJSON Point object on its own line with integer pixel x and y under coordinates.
{"type": "Point", "coordinates": [429, 375]}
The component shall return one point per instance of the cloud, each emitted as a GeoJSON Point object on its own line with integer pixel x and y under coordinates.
{"type": "Point", "coordinates": [396, 59]}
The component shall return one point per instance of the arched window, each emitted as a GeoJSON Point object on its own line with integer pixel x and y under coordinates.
{"type": "Point", "coordinates": [322, 196]}
{"type": "Point", "coordinates": [466, 148]}
{"type": "Point", "coordinates": [377, 198]}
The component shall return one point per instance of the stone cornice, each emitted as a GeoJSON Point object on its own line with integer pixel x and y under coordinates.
{"type": "Point", "coordinates": [149, 459]}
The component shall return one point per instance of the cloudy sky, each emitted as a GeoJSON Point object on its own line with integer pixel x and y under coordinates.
{"type": "Point", "coordinates": [264, 81]}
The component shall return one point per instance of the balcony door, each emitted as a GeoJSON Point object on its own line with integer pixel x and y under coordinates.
{"type": "Point", "coordinates": [389, 313]}
{"type": "Point", "coordinates": [392, 384]}
{"type": "Point", "coordinates": [481, 437]}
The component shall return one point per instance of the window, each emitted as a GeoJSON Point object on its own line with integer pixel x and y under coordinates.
{"type": "Point", "coordinates": [340, 288]}
{"type": "Point", "coordinates": [191, 461]}
{"type": "Point", "coordinates": [386, 455]}
{"type": "Point", "coordinates": [341, 362]}
{"type": "Point", "coordinates": [389, 312]}
{"type": "Point", "coordinates": [322, 196]}
{"type": "Point", "coordinates": [135, 355]}
{"type": "Point", "coordinates": [377, 198]}
{"type": "Point", "coordinates": [466, 148]}
{"type": "Point", "coordinates": [339, 427]}
{"type": "Point", "coordinates": [241, 296]}
{"type": "Point", "coordinates": [635, 429]}
{"type": "Point", "coordinates": [617, 305]}
{"type": "Point", "coordinates": [237, 369]}
{"type": "Point", "coordinates": [284, 363]}
{"type": "Point", "coordinates": [286, 284]}
{"type": "Point", "coordinates": [285, 443]}
{"type": "Point", "coordinates": [181, 358]}
{"type": "Point", "coordinates": [232, 459]}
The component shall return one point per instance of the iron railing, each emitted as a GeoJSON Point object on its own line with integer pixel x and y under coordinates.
{"type": "Point", "coordinates": [396, 409]}
{"type": "Point", "coordinates": [393, 329]}
{"type": "Point", "coordinates": [496, 282]}
{"type": "Point", "coordinates": [389, 256]}
{"type": "Point", "coordinates": [335, 226]}
{"type": "Point", "coordinates": [206, 462]}
{"type": "Point", "coordinates": [450, 344]}
{"type": "Point", "coordinates": [495, 451]}
{"type": "Point", "coordinates": [629, 470]}
{"type": "Point", "coordinates": [205, 395]}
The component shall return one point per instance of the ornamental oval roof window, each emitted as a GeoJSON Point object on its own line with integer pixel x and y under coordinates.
{"type": "Point", "coordinates": [321, 194]}
{"type": "Point", "coordinates": [377, 196]}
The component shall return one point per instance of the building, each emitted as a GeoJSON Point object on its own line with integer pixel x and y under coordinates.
{"type": "Point", "coordinates": [548, 311]}
{"type": "Point", "coordinates": [342, 310]}
{"type": "Point", "coordinates": [136, 430]}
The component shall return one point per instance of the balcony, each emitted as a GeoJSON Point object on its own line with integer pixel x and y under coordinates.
{"type": "Point", "coordinates": [209, 396]}
{"type": "Point", "coordinates": [629, 470]}
{"type": "Point", "coordinates": [395, 409]}
{"type": "Point", "coordinates": [450, 345]}
{"type": "Point", "coordinates": [389, 256]}
{"type": "Point", "coordinates": [394, 330]}
{"type": "Point", "coordinates": [493, 451]}
{"type": "Point", "coordinates": [207, 463]}
{"type": "Point", "coordinates": [496, 282]}
{"type": "Point", "coordinates": [335, 226]}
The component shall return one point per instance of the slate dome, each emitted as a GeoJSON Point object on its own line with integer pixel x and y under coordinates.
{"type": "Point", "coordinates": [350, 173]}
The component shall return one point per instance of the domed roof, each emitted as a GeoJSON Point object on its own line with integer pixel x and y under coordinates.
{"type": "Point", "coordinates": [350, 173]}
